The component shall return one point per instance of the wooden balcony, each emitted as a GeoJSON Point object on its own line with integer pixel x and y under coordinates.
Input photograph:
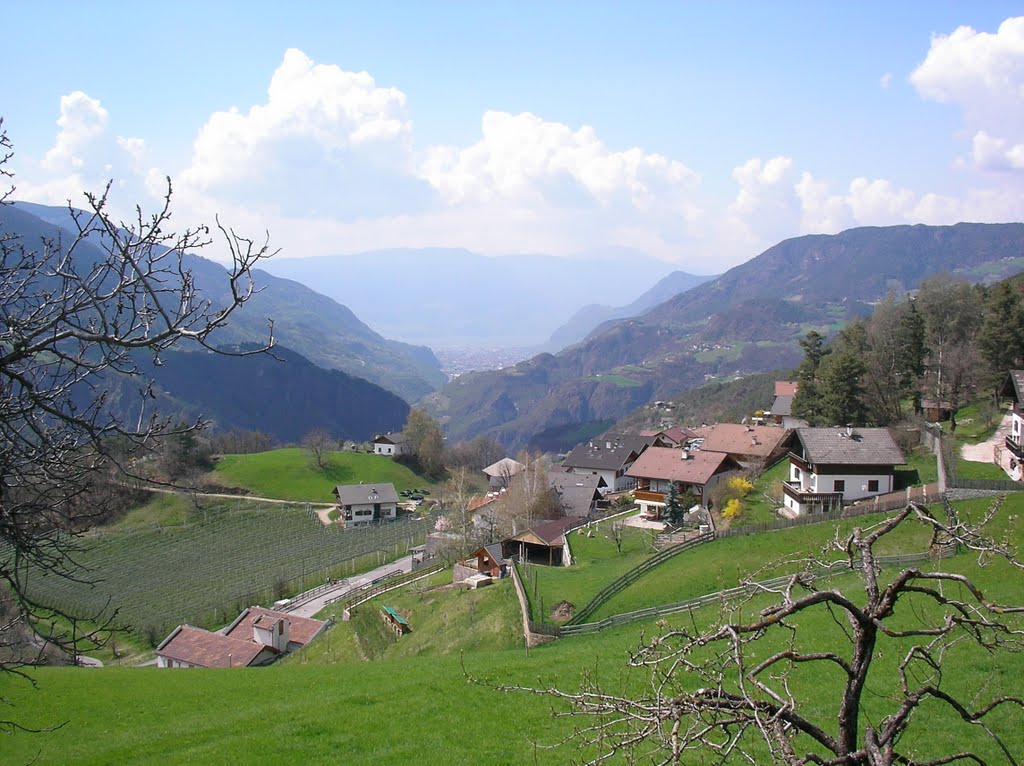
{"type": "Point", "coordinates": [647, 496]}
{"type": "Point", "coordinates": [825, 499]}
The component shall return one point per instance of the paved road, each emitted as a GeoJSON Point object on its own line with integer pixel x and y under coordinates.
{"type": "Point", "coordinates": [318, 597]}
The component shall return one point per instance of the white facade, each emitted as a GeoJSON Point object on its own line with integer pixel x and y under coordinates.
{"type": "Point", "coordinates": [849, 486]}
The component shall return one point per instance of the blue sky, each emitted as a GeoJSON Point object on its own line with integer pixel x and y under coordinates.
{"type": "Point", "coordinates": [700, 133]}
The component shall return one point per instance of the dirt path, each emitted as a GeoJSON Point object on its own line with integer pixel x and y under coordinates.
{"type": "Point", "coordinates": [990, 450]}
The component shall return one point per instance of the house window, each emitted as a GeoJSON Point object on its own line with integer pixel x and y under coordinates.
{"type": "Point", "coordinates": [839, 485]}
{"type": "Point", "coordinates": [872, 485]}
{"type": "Point", "coordinates": [796, 474]}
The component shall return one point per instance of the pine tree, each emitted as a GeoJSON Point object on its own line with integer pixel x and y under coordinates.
{"type": "Point", "coordinates": [805, 403]}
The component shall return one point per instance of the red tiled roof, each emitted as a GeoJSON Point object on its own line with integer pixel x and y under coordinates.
{"type": "Point", "coordinates": [479, 501]}
{"type": "Point", "coordinates": [209, 650]}
{"type": "Point", "coordinates": [736, 439]}
{"type": "Point", "coordinates": [300, 629]}
{"type": "Point", "coordinates": [786, 387]}
{"type": "Point", "coordinates": [667, 463]}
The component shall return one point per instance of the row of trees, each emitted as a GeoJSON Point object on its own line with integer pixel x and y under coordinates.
{"type": "Point", "coordinates": [950, 340]}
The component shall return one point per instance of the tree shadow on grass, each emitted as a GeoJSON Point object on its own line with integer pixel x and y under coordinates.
{"type": "Point", "coordinates": [905, 477]}
{"type": "Point", "coordinates": [339, 473]}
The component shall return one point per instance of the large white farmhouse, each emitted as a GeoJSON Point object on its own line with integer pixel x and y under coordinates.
{"type": "Point", "coordinates": [833, 466]}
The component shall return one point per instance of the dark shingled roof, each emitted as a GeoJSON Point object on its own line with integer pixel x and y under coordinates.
{"type": "Point", "coordinates": [362, 494]}
{"type": "Point", "coordinates": [607, 453]}
{"type": "Point", "coordinates": [577, 501]}
{"type": "Point", "coordinates": [866, 446]}
{"type": "Point", "coordinates": [390, 438]}
{"type": "Point", "coordinates": [1017, 378]}
{"type": "Point", "coordinates": [561, 479]}
{"type": "Point", "coordinates": [783, 405]}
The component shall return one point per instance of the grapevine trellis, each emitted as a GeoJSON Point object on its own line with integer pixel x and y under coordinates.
{"type": "Point", "coordinates": [233, 555]}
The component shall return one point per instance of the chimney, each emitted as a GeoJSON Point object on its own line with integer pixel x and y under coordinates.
{"type": "Point", "coordinates": [685, 454]}
{"type": "Point", "coordinates": [607, 445]}
{"type": "Point", "coordinates": [849, 431]}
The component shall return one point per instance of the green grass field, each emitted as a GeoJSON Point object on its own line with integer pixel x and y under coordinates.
{"type": "Point", "coordinates": [213, 560]}
{"type": "Point", "coordinates": [596, 563]}
{"type": "Point", "coordinates": [291, 474]}
{"type": "Point", "coordinates": [413, 703]}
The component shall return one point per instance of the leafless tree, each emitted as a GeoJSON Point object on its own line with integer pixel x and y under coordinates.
{"type": "Point", "coordinates": [78, 312]}
{"type": "Point", "coordinates": [319, 443]}
{"type": "Point", "coordinates": [753, 690]}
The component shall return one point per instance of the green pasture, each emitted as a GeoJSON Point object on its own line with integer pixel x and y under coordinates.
{"type": "Point", "coordinates": [596, 562]}
{"type": "Point", "coordinates": [292, 474]}
{"type": "Point", "coordinates": [416, 705]}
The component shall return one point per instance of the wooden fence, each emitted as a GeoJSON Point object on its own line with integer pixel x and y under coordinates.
{"type": "Point", "coordinates": [924, 495]}
{"type": "Point", "coordinates": [742, 591]}
{"type": "Point", "coordinates": [383, 584]}
{"type": "Point", "coordinates": [635, 574]}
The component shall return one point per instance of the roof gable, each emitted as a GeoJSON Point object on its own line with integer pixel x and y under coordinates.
{"type": "Point", "coordinates": [667, 464]}
{"type": "Point", "coordinates": [301, 630]}
{"type": "Point", "coordinates": [738, 439]}
{"type": "Point", "coordinates": [786, 387]}
{"type": "Point", "coordinates": [196, 646]}
{"type": "Point", "coordinates": [856, 446]}
{"type": "Point", "coordinates": [607, 453]}
{"type": "Point", "coordinates": [504, 467]}
{"type": "Point", "coordinates": [364, 494]}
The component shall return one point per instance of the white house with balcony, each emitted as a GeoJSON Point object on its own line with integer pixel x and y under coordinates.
{"type": "Point", "coordinates": [1014, 387]}
{"type": "Point", "coordinates": [834, 466]}
{"type": "Point", "coordinates": [365, 504]}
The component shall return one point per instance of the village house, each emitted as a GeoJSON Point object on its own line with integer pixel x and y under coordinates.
{"type": "Point", "coordinates": [258, 636]}
{"type": "Point", "coordinates": [696, 471]}
{"type": "Point", "coordinates": [391, 445]}
{"type": "Point", "coordinates": [579, 493]}
{"type": "Point", "coordinates": [486, 561]}
{"type": "Point", "coordinates": [676, 436]}
{"type": "Point", "coordinates": [781, 412]}
{"type": "Point", "coordinates": [363, 504]}
{"type": "Point", "coordinates": [609, 457]}
{"type": "Point", "coordinates": [833, 466]}
{"type": "Point", "coordinates": [1014, 388]}
{"type": "Point", "coordinates": [499, 475]}
{"type": "Point", "coordinates": [750, 446]}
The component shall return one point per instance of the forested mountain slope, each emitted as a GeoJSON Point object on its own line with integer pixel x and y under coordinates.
{"type": "Point", "coordinates": [746, 321]}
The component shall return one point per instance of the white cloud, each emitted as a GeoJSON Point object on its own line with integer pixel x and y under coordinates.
{"type": "Point", "coordinates": [765, 209]}
{"type": "Point", "coordinates": [885, 80]}
{"type": "Point", "coordinates": [983, 74]}
{"type": "Point", "coordinates": [990, 153]}
{"type": "Point", "coordinates": [525, 160]}
{"type": "Point", "coordinates": [326, 142]}
{"type": "Point", "coordinates": [85, 156]}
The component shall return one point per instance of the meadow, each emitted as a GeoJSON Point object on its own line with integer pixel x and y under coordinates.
{"type": "Point", "coordinates": [361, 697]}
{"type": "Point", "coordinates": [291, 473]}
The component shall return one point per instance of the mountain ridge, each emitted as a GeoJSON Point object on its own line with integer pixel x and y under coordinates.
{"type": "Point", "coordinates": [746, 321]}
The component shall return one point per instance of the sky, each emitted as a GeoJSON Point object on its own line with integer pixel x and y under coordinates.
{"type": "Point", "coordinates": [699, 133]}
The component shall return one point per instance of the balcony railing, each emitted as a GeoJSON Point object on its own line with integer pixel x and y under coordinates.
{"type": "Point", "coordinates": [825, 498]}
{"type": "Point", "coordinates": [649, 497]}
{"type": "Point", "coordinates": [1015, 447]}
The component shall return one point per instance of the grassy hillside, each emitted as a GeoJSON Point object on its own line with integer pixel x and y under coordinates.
{"type": "Point", "coordinates": [414, 704]}
{"type": "Point", "coordinates": [291, 474]}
